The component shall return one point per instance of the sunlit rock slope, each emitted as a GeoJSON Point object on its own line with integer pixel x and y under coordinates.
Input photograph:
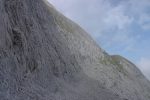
{"type": "Point", "coordinates": [45, 56]}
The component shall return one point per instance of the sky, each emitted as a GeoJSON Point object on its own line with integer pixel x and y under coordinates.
{"type": "Point", "coordinates": [119, 26]}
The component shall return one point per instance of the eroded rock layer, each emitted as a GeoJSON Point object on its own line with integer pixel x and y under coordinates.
{"type": "Point", "coordinates": [45, 56]}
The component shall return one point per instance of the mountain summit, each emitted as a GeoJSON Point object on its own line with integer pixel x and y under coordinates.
{"type": "Point", "coordinates": [45, 56]}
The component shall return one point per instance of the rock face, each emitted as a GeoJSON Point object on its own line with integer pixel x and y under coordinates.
{"type": "Point", "coordinates": [45, 56]}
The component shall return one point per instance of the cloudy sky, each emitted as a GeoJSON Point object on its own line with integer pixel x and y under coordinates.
{"type": "Point", "coordinates": [119, 26]}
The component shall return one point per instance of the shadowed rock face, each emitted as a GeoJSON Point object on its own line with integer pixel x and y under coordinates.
{"type": "Point", "coordinates": [45, 56]}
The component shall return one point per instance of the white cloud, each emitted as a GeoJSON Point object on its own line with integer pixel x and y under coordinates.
{"type": "Point", "coordinates": [115, 17]}
{"type": "Point", "coordinates": [140, 10]}
{"type": "Point", "coordinates": [144, 65]}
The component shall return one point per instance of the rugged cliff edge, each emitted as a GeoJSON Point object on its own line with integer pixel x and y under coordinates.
{"type": "Point", "coordinates": [45, 56]}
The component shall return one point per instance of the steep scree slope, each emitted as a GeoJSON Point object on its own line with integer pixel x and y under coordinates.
{"type": "Point", "coordinates": [45, 56]}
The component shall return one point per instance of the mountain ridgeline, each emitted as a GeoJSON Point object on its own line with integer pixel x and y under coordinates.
{"type": "Point", "coordinates": [46, 56]}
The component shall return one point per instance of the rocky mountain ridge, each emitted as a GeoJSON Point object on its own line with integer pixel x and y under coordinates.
{"type": "Point", "coordinates": [46, 56]}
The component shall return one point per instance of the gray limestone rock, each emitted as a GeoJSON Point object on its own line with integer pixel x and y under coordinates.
{"type": "Point", "coordinates": [45, 56]}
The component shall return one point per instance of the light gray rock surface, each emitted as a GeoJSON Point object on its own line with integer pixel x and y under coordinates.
{"type": "Point", "coordinates": [45, 56]}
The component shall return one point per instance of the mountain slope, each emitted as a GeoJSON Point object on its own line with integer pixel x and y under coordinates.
{"type": "Point", "coordinates": [45, 56]}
